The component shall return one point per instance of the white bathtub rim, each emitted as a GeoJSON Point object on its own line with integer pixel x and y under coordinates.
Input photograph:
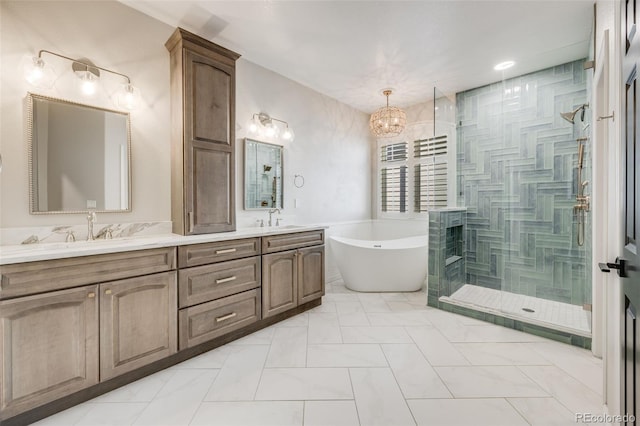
{"type": "Point", "coordinates": [393, 244]}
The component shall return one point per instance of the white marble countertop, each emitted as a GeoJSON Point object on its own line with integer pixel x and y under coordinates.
{"type": "Point", "coordinates": [12, 254]}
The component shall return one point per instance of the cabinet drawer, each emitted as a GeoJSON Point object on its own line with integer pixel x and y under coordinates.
{"type": "Point", "coordinates": [202, 254]}
{"type": "Point", "coordinates": [274, 243]}
{"type": "Point", "coordinates": [38, 277]}
{"type": "Point", "coordinates": [204, 283]}
{"type": "Point", "coordinates": [201, 323]}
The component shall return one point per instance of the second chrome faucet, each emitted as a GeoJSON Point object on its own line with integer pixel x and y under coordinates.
{"type": "Point", "coordinates": [271, 212]}
{"type": "Point", "coordinates": [91, 219]}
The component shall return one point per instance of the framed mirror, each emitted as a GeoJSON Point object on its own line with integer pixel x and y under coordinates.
{"type": "Point", "coordinates": [79, 157]}
{"type": "Point", "coordinates": [262, 175]}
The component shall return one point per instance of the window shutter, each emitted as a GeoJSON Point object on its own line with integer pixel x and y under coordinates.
{"type": "Point", "coordinates": [394, 152]}
{"type": "Point", "coordinates": [393, 177]}
{"type": "Point", "coordinates": [430, 174]}
{"type": "Point", "coordinates": [394, 189]}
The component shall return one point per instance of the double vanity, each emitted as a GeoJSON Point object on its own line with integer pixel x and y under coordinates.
{"type": "Point", "coordinates": [80, 319]}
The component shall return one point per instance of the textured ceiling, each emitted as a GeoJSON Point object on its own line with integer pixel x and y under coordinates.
{"type": "Point", "coordinates": [351, 50]}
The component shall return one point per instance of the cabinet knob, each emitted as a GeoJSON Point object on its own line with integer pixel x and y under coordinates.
{"type": "Point", "coordinates": [108, 291]}
{"type": "Point", "coordinates": [91, 295]}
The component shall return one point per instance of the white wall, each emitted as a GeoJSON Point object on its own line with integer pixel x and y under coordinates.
{"type": "Point", "coordinates": [113, 36]}
{"type": "Point", "coordinates": [331, 149]}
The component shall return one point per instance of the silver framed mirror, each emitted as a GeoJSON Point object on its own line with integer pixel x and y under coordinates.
{"type": "Point", "coordinates": [79, 157]}
{"type": "Point", "coordinates": [263, 167]}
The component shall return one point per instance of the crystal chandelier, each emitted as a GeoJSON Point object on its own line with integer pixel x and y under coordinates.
{"type": "Point", "coordinates": [387, 121]}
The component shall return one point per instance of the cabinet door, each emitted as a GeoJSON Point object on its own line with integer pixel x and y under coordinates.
{"type": "Point", "coordinates": [138, 322]}
{"type": "Point", "coordinates": [279, 282]}
{"type": "Point", "coordinates": [310, 274]}
{"type": "Point", "coordinates": [49, 347]}
{"type": "Point", "coordinates": [209, 145]}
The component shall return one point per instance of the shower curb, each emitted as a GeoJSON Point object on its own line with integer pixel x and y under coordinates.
{"type": "Point", "coordinates": [526, 327]}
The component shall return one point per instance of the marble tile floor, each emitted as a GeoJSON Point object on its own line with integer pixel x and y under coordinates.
{"type": "Point", "coordinates": [364, 359]}
{"type": "Point", "coordinates": [562, 316]}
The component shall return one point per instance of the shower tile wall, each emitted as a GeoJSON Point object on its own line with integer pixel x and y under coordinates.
{"type": "Point", "coordinates": [446, 253]}
{"type": "Point", "coordinates": [517, 177]}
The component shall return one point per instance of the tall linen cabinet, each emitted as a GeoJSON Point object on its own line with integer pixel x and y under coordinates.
{"type": "Point", "coordinates": [202, 135]}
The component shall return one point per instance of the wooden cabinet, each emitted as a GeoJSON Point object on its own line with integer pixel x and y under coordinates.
{"type": "Point", "coordinates": [71, 324]}
{"type": "Point", "coordinates": [49, 347]}
{"type": "Point", "coordinates": [219, 289]}
{"type": "Point", "coordinates": [203, 135]}
{"type": "Point", "coordinates": [116, 312]}
{"type": "Point", "coordinates": [310, 274]}
{"type": "Point", "coordinates": [279, 282]}
{"type": "Point", "coordinates": [138, 323]}
{"type": "Point", "coordinates": [293, 277]}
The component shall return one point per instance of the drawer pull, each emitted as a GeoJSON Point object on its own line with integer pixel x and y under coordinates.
{"type": "Point", "coordinates": [231, 250]}
{"type": "Point", "coordinates": [91, 295]}
{"type": "Point", "coordinates": [107, 292]}
{"type": "Point", "coordinates": [226, 280]}
{"type": "Point", "coordinates": [226, 317]}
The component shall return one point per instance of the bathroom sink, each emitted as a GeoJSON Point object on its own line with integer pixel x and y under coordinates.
{"type": "Point", "coordinates": [44, 246]}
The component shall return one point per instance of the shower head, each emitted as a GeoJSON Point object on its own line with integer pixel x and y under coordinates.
{"type": "Point", "coordinates": [569, 116]}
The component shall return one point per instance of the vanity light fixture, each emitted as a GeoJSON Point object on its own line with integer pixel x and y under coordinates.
{"type": "Point", "coordinates": [387, 121]}
{"type": "Point", "coordinates": [40, 74]}
{"type": "Point", "coordinates": [262, 124]}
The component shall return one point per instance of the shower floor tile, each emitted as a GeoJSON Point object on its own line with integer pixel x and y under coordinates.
{"type": "Point", "coordinates": [568, 317]}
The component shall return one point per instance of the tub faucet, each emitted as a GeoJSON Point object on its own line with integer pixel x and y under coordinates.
{"type": "Point", "coordinates": [91, 219]}
{"type": "Point", "coordinates": [270, 213]}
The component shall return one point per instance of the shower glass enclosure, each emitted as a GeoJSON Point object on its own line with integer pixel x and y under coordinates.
{"type": "Point", "coordinates": [528, 231]}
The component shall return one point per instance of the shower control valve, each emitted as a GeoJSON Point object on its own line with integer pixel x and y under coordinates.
{"type": "Point", "coordinates": [583, 203]}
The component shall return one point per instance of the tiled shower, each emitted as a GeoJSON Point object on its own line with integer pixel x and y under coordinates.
{"type": "Point", "coordinates": [517, 178]}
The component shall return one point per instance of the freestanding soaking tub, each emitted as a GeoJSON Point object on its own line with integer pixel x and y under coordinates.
{"type": "Point", "coordinates": [393, 265]}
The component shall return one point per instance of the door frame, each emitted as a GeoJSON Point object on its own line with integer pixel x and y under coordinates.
{"type": "Point", "coordinates": [606, 228]}
{"type": "Point", "coordinates": [607, 168]}
{"type": "Point", "coordinates": [600, 189]}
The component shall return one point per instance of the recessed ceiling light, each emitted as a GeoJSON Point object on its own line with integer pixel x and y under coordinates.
{"type": "Point", "coordinates": [504, 65]}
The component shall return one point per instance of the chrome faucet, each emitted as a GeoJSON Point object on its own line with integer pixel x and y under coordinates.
{"type": "Point", "coordinates": [270, 213]}
{"type": "Point", "coordinates": [105, 233]}
{"type": "Point", "coordinates": [91, 219]}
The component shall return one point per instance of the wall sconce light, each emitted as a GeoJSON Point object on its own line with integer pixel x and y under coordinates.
{"type": "Point", "coordinates": [264, 125]}
{"type": "Point", "coordinates": [40, 74]}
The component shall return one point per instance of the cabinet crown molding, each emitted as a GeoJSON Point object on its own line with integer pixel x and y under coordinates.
{"type": "Point", "coordinates": [182, 35]}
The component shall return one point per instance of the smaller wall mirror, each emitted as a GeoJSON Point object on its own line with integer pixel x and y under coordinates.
{"type": "Point", "coordinates": [79, 157]}
{"type": "Point", "coordinates": [262, 175]}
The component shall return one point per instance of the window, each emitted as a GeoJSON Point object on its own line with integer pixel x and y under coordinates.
{"type": "Point", "coordinates": [430, 173]}
{"type": "Point", "coordinates": [428, 185]}
{"type": "Point", "coordinates": [393, 177]}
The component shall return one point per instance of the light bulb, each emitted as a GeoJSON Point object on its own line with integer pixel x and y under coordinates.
{"type": "Point", "coordinates": [88, 84]}
{"type": "Point", "coordinates": [270, 130]}
{"type": "Point", "coordinates": [128, 97]}
{"type": "Point", "coordinates": [38, 73]}
{"type": "Point", "coordinates": [288, 134]}
{"type": "Point", "coordinates": [254, 127]}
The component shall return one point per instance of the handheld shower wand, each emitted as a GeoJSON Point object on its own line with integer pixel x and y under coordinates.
{"type": "Point", "coordinates": [582, 205]}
